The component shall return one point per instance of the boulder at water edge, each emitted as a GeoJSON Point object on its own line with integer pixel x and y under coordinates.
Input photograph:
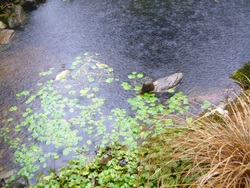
{"type": "Point", "coordinates": [6, 35]}
{"type": "Point", "coordinates": [17, 16]}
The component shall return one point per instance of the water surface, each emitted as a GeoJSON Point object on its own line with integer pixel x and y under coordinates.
{"type": "Point", "coordinates": [205, 40]}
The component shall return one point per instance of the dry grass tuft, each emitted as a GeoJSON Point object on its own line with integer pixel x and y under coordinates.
{"type": "Point", "coordinates": [212, 152]}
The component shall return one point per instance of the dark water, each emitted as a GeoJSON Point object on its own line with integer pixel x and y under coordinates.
{"type": "Point", "coordinates": [205, 40]}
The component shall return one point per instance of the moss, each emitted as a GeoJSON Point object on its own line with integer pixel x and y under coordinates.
{"type": "Point", "coordinates": [242, 76]}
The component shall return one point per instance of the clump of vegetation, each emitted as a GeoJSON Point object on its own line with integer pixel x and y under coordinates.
{"type": "Point", "coordinates": [68, 115]}
{"type": "Point", "coordinates": [4, 11]}
{"type": "Point", "coordinates": [242, 76]}
{"type": "Point", "coordinates": [113, 166]}
{"type": "Point", "coordinates": [210, 152]}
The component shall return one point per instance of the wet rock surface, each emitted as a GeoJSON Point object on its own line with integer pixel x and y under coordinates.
{"type": "Point", "coordinates": [21, 182]}
{"type": "Point", "coordinates": [17, 16]}
{"type": "Point", "coordinates": [5, 170]}
{"type": "Point", "coordinates": [6, 35]}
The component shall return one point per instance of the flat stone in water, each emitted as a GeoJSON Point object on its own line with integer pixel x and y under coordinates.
{"type": "Point", "coordinates": [6, 35]}
{"type": "Point", "coordinates": [7, 174]}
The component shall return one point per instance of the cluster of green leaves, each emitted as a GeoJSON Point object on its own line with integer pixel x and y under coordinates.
{"type": "Point", "coordinates": [158, 166]}
{"type": "Point", "coordinates": [71, 116]}
{"type": "Point", "coordinates": [135, 76]}
{"type": "Point", "coordinates": [147, 112]}
{"type": "Point", "coordinates": [59, 118]}
{"type": "Point", "coordinates": [114, 166]}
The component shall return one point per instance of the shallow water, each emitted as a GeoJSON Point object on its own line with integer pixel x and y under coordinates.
{"type": "Point", "coordinates": [205, 40]}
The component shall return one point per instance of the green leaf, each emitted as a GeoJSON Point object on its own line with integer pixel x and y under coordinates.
{"type": "Point", "coordinates": [85, 171]}
{"type": "Point", "coordinates": [137, 88]}
{"type": "Point", "coordinates": [189, 119]}
{"type": "Point", "coordinates": [90, 95]}
{"type": "Point", "coordinates": [95, 89]}
{"type": "Point", "coordinates": [89, 142]}
{"type": "Point", "coordinates": [23, 93]}
{"type": "Point", "coordinates": [205, 105]}
{"type": "Point", "coordinates": [13, 108]}
{"type": "Point", "coordinates": [126, 86]}
{"type": "Point", "coordinates": [72, 92]}
{"type": "Point", "coordinates": [72, 67]}
{"type": "Point", "coordinates": [10, 120]}
{"type": "Point", "coordinates": [131, 76]}
{"type": "Point", "coordinates": [84, 91]}
{"type": "Point", "coordinates": [68, 86]}
{"type": "Point", "coordinates": [93, 67]}
{"type": "Point", "coordinates": [39, 175]}
{"type": "Point", "coordinates": [144, 135]}
{"type": "Point", "coordinates": [42, 159]}
{"type": "Point", "coordinates": [110, 69]}
{"type": "Point", "coordinates": [171, 91]}
{"type": "Point", "coordinates": [47, 178]}
{"type": "Point", "coordinates": [44, 165]}
{"type": "Point", "coordinates": [66, 151]}
{"type": "Point", "coordinates": [140, 75]}
{"type": "Point", "coordinates": [46, 72]}
{"type": "Point", "coordinates": [109, 80]}
{"type": "Point", "coordinates": [169, 122]}
{"type": "Point", "coordinates": [30, 99]}
{"type": "Point", "coordinates": [78, 58]}
{"type": "Point", "coordinates": [175, 165]}
{"type": "Point", "coordinates": [101, 65]}
{"type": "Point", "coordinates": [91, 79]}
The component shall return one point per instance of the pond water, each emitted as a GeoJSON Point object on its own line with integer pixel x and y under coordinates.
{"type": "Point", "coordinates": [205, 40]}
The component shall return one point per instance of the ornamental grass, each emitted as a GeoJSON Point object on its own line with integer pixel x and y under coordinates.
{"type": "Point", "coordinates": [211, 152]}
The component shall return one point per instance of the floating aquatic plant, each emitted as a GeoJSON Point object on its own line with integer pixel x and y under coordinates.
{"type": "Point", "coordinates": [71, 115]}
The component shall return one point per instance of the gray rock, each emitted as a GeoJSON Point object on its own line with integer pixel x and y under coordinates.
{"type": "Point", "coordinates": [21, 182]}
{"type": "Point", "coordinates": [122, 162]}
{"type": "Point", "coordinates": [8, 174]}
{"type": "Point", "coordinates": [17, 16]}
{"type": "Point", "coordinates": [6, 35]}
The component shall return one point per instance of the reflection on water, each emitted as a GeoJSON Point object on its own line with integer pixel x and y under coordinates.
{"type": "Point", "coordinates": [205, 40]}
